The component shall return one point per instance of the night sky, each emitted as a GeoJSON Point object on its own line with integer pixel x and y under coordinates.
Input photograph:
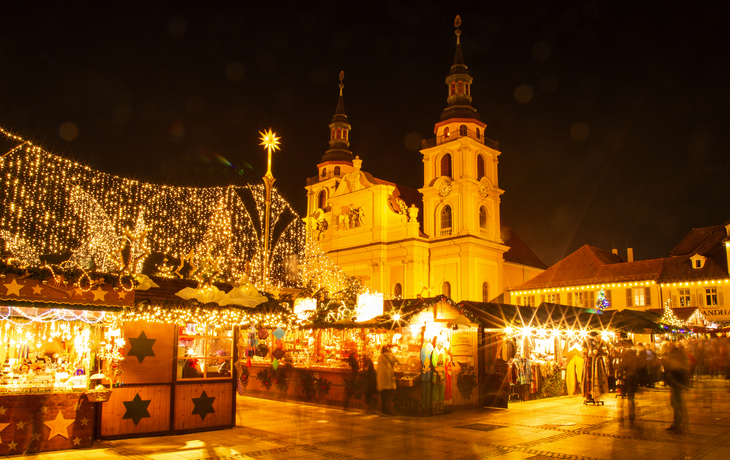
{"type": "Point", "coordinates": [611, 116]}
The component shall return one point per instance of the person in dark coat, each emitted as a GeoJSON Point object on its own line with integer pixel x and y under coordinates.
{"type": "Point", "coordinates": [676, 370]}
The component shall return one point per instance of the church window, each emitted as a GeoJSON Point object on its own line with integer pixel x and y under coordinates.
{"type": "Point", "coordinates": [337, 171]}
{"type": "Point", "coordinates": [482, 217]}
{"type": "Point", "coordinates": [485, 292]}
{"type": "Point", "coordinates": [398, 291]}
{"type": "Point", "coordinates": [460, 89]}
{"type": "Point", "coordinates": [446, 289]}
{"type": "Point", "coordinates": [339, 134]}
{"type": "Point", "coordinates": [324, 172]}
{"type": "Point", "coordinates": [332, 137]}
{"type": "Point", "coordinates": [446, 220]}
{"type": "Point", "coordinates": [322, 199]}
{"type": "Point", "coordinates": [466, 85]}
{"type": "Point", "coordinates": [344, 134]}
{"type": "Point", "coordinates": [446, 165]}
{"type": "Point", "coordinates": [462, 130]}
{"type": "Point", "coordinates": [479, 134]}
{"type": "Point", "coordinates": [480, 167]}
{"type": "Point", "coordinates": [453, 88]}
{"type": "Point", "coordinates": [446, 132]}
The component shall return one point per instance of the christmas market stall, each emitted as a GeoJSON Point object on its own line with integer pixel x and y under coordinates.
{"type": "Point", "coordinates": [54, 329]}
{"type": "Point", "coordinates": [331, 357]}
{"type": "Point", "coordinates": [537, 352]}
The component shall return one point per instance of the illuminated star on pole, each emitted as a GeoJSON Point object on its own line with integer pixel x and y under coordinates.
{"type": "Point", "coordinates": [271, 144]}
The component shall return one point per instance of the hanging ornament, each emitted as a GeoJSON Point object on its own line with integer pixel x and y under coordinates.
{"type": "Point", "coordinates": [275, 364]}
{"type": "Point", "coordinates": [279, 333]}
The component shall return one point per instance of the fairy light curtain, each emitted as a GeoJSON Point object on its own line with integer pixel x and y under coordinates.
{"type": "Point", "coordinates": [52, 205]}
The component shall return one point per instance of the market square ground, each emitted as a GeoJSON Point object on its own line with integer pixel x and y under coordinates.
{"type": "Point", "coordinates": [550, 428]}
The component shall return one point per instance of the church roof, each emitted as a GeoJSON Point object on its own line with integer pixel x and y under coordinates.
{"type": "Point", "coordinates": [592, 265]}
{"type": "Point", "coordinates": [459, 104]}
{"type": "Point", "coordinates": [519, 252]}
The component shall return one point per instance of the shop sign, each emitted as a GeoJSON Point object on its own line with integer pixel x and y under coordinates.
{"type": "Point", "coordinates": [716, 314]}
{"type": "Point", "coordinates": [462, 344]}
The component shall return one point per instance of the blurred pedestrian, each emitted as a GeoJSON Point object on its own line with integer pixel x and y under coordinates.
{"type": "Point", "coordinates": [629, 371]}
{"type": "Point", "coordinates": [676, 375]}
{"type": "Point", "coordinates": [386, 377]}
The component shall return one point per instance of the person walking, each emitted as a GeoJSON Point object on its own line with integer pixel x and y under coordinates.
{"type": "Point", "coordinates": [386, 378]}
{"type": "Point", "coordinates": [676, 375]}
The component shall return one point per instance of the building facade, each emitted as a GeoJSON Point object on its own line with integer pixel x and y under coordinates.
{"type": "Point", "coordinates": [445, 238]}
{"type": "Point", "coordinates": [696, 274]}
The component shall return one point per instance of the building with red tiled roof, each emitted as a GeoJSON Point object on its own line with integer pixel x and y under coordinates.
{"type": "Point", "coordinates": [696, 274]}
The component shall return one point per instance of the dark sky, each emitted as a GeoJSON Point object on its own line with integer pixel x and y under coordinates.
{"type": "Point", "coordinates": [611, 116]}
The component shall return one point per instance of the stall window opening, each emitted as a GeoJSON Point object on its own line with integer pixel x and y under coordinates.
{"type": "Point", "coordinates": [204, 352]}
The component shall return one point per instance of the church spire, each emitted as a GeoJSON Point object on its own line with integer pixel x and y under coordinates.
{"type": "Point", "coordinates": [459, 85]}
{"type": "Point", "coordinates": [339, 132]}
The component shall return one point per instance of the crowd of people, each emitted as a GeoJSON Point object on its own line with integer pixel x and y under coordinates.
{"type": "Point", "coordinates": [676, 364]}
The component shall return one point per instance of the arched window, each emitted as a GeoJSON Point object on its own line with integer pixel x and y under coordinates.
{"type": "Point", "coordinates": [462, 130]}
{"type": "Point", "coordinates": [446, 165]}
{"type": "Point", "coordinates": [482, 218]}
{"type": "Point", "coordinates": [453, 88]}
{"type": "Point", "coordinates": [332, 137]}
{"type": "Point", "coordinates": [460, 89]}
{"type": "Point", "coordinates": [337, 171]}
{"type": "Point", "coordinates": [398, 291]}
{"type": "Point", "coordinates": [480, 167]}
{"type": "Point", "coordinates": [322, 199]}
{"type": "Point", "coordinates": [479, 134]}
{"type": "Point", "coordinates": [339, 134]}
{"type": "Point", "coordinates": [467, 88]}
{"type": "Point", "coordinates": [485, 292]}
{"type": "Point", "coordinates": [344, 134]}
{"type": "Point", "coordinates": [446, 132]}
{"type": "Point", "coordinates": [446, 220]}
{"type": "Point", "coordinates": [446, 289]}
{"type": "Point", "coordinates": [324, 172]}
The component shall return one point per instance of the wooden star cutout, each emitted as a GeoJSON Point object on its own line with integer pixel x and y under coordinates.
{"type": "Point", "coordinates": [2, 410]}
{"type": "Point", "coordinates": [44, 409]}
{"type": "Point", "coordinates": [136, 409]}
{"type": "Point", "coordinates": [203, 405]}
{"type": "Point", "coordinates": [38, 289]}
{"type": "Point", "coordinates": [34, 436]}
{"type": "Point", "coordinates": [59, 426]}
{"type": "Point", "coordinates": [2, 427]}
{"type": "Point", "coordinates": [121, 294]}
{"type": "Point", "coordinates": [99, 294]}
{"type": "Point", "coordinates": [14, 288]}
{"type": "Point", "coordinates": [84, 422]}
{"type": "Point", "coordinates": [79, 292]}
{"type": "Point", "coordinates": [141, 346]}
{"type": "Point", "coordinates": [12, 445]}
{"type": "Point", "coordinates": [20, 425]}
{"type": "Point", "coordinates": [77, 441]}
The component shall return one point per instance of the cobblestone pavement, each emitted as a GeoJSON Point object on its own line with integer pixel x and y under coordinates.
{"type": "Point", "coordinates": [550, 428]}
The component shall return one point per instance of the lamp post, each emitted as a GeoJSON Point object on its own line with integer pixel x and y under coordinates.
{"type": "Point", "coordinates": [271, 144]}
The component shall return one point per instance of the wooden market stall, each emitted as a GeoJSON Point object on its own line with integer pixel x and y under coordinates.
{"type": "Point", "coordinates": [50, 332]}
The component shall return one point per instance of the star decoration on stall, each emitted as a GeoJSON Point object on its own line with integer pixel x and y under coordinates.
{"type": "Point", "coordinates": [2, 427]}
{"type": "Point", "coordinates": [84, 421]}
{"type": "Point", "coordinates": [59, 426]}
{"type": "Point", "coordinates": [35, 436]}
{"type": "Point", "coordinates": [77, 441]}
{"type": "Point", "coordinates": [99, 294]}
{"type": "Point", "coordinates": [122, 294]}
{"type": "Point", "coordinates": [12, 445]}
{"type": "Point", "coordinates": [2, 410]}
{"type": "Point", "coordinates": [44, 410]}
{"type": "Point", "coordinates": [137, 409]}
{"type": "Point", "coordinates": [14, 288]}
{"type": "Point", "coordinates": [37, 289]}
{"type": "Point", "coordinates": [141, 347]}
{"type": "Point", "coordinates": [203, 405]}
{"type": "Point", "coordinates": [20, 425]}
{"type": "Point", "coordinates": [79, 292]}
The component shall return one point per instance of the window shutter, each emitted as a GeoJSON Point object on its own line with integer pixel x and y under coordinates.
{"type": "Point", "coordinates": [542, 298]}
{"type": "Point", "coordinates": [720, 297]}
{"type": "Point", "coordinates": [647, 296]}
{"type": "Point", "coordinates": [702, 298]}
{"type": "Point", "coordinates": [629, 298]}
{"type": "Point", "coordinates": [694, 300]}
{"type": "Point", "coordinates": [674, 301]}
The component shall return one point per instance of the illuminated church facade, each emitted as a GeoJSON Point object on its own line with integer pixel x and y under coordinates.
{"type": "Point", "coordinates": [446, 237]}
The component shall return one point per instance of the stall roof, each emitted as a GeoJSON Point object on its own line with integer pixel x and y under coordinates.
{"type": "Point", "coordinates": [636, 321]}
{"type": "Point", "coordinates": [548, 315]}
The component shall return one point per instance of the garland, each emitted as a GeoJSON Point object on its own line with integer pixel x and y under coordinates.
{"type": "Point", "coordinates": [308, 382]}
{"type": "Point", "coordinates": [264, 376]}
{"type": "Point", "coordinates": [244, 375]}
{"type": "Point", "coordinates": [323, 388]}
{"type": "Point", "coordinates": [70, 275]}
{"type": "Point", "coordinates": [466, 381]}
{"type": "Point", "coordinates": [281, 378]}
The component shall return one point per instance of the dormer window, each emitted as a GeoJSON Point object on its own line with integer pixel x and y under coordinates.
{"type": "Point", "coordinates": [698, 261]}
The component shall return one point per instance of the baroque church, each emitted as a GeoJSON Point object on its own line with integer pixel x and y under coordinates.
{"type": "Point", "coordinates": [444, 238]}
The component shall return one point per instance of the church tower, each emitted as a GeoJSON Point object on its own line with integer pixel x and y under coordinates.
{"type": "Point", "coordinates": [461, 194]}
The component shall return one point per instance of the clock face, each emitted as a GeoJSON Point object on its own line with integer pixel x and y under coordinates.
{"type": "Point", "coordinates": [483, 189]}
{"type": "Point", "coordinates": [444, 188]}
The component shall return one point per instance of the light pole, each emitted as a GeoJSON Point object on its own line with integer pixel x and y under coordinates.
{"type": "Point", "coordinates": [270, 143]}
